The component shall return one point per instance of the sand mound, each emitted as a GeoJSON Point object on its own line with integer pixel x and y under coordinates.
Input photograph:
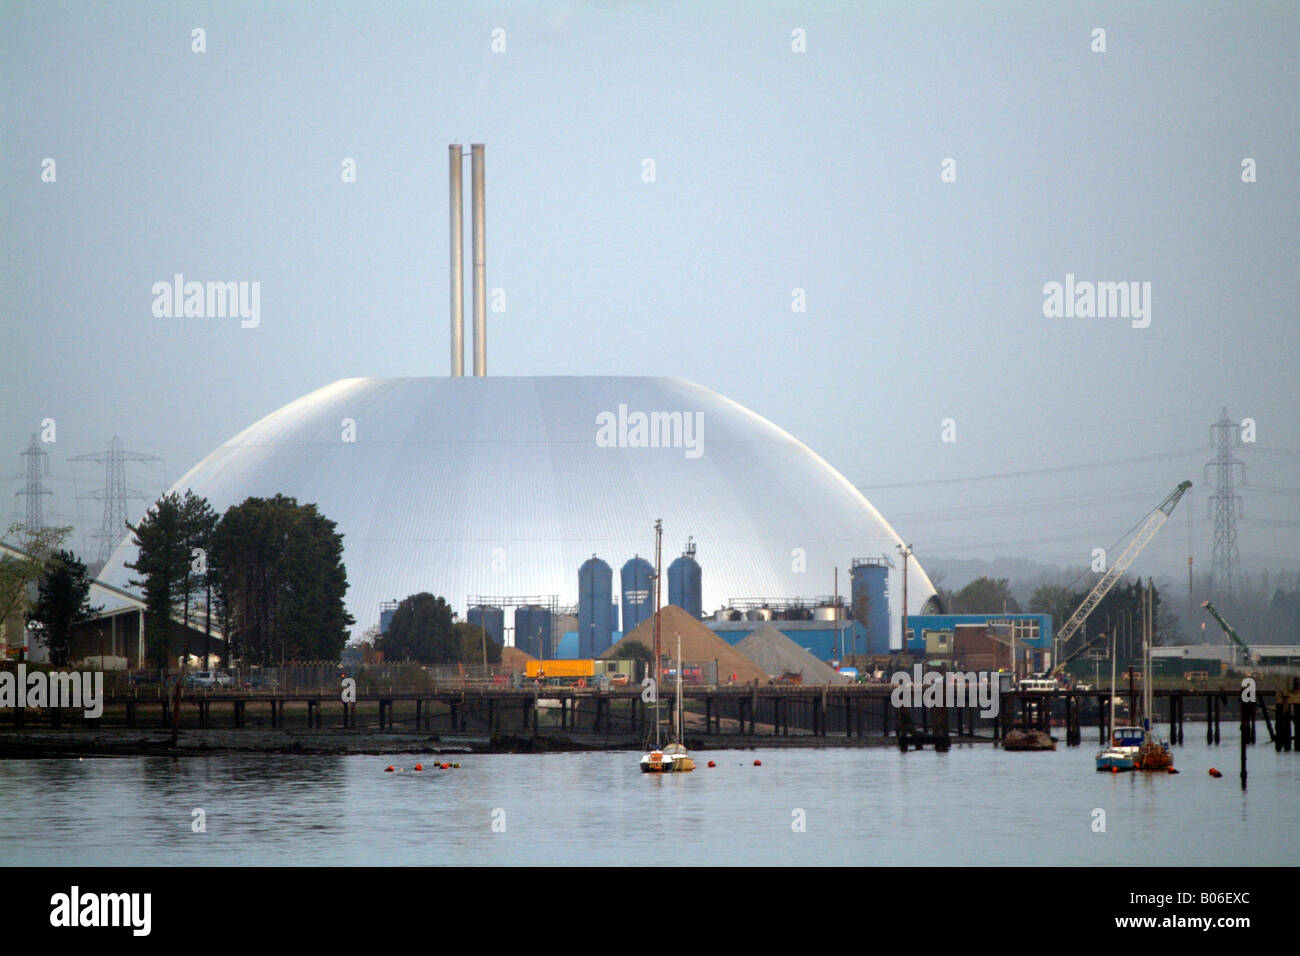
{"type": "Point", "coordinates": [699, 645]}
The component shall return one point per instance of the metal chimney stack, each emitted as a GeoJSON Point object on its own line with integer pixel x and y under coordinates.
{"type": "Point", "coordinates": [480, 270]}
{"type": "Point", "coordinates": [457, 244]}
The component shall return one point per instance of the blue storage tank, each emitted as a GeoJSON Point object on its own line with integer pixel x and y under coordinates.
{"type": "Point", "coordinates": [684, 588]}
{"type": "Point", "coordinates": [491, 618]}
{"type": "Point", "coordinates": [566, 649]}
{"type": "Point", "coordinates": [638, 592]}
{"type": "Point", "coordinates": [870, 601]}
{"type": "Point", "coordinates": [595, 607]}
{"type": "Point", "coordinates": [533, 630]}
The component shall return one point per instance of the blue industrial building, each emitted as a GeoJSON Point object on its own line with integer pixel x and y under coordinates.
{"type": "Point", "coordinates": [869, 601]}
{"type": "Point", "coordinates": [533, 630]}
{"type": "Point", "coordinates": [491, 619]}
{"type": "Point", "coordinates": [1030, 630]}
{"type": "Point", "coordinates": [685, 584]}
{"type": "Point", "coordinates": [596, 607]}
{"type": "Point", "coordinates": [817, 637]}
{"type": "Point", "coordinates": [637, 580]}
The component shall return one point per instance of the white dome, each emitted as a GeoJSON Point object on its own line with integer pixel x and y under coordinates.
{"type": "Point", "coordinates": [504, 486]}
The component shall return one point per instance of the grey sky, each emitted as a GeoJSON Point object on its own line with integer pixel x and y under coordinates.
{"type": "Point", "coordinates": [775, 170]}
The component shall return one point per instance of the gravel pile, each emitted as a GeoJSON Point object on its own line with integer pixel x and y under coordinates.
{"type": "Point", "coordinates": [778, 655]}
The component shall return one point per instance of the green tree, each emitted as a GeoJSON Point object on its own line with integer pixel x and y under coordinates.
{"type": "Point", "coordinates": [163, 561]}
{"type": "Point", "coordinates": [198, 522]}
{"type": "Point", "coordinates": [471, 638]}
{"type": "Point", "coordinates": [1058, 600]}
{"type": "Point", "coordinates": [421, 630]}
{"type": "Point", "coordinates": [19, 571]}
{"type": "Point", "coordinates": [635, 651]}
{"type": "Point", "coordinates": [279, 573]}
{"type": "Point", "coordinates": [986, 596]}
{"type": "Point", "coordinates": [63, 602]}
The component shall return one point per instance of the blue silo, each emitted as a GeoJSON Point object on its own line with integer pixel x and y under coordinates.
{"type": "Point", "coordinates": [492, 619]}
{"type": "Point", "coordinates": [638, 592]}
{"type": "Point", "coordinates": [595, 607]}
{"type": "Point", "coordinates": [386, 612]}
{"type": "Point", "coordinates": [533, 630]}
{"type": "Point", "coordinates": [870, 601]}
{"type": "Point", "coordinates": [684, 588]}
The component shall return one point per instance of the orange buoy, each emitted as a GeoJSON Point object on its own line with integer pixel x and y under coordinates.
{"type": "Point", "coordinates": [712, 764]}
{"type": "Point", "coordinates": [446, 766]}
{"type": "Point", "coordinates": [1215, 773]}
{"type": "Point", "coordinates": [1114, 769]}
{"type": "Point", "coordinates": [419, 766]}
{"type": "Point", "coordinates": [389, 769]}
{"type": "Point", "coordinates": [1172, 770]}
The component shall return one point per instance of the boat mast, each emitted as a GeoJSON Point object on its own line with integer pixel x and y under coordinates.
{"type": "Point", "coordinates": [1148, 625]}
{"type": "Point", "coordinates": [679, 688]}
{"type": "Point", "coordinates": [658, 671]}
{"type": "Point", "coordinates": [1113, 648]}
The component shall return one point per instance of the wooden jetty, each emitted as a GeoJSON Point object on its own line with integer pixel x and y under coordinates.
{"type": "Point", "coordinates": [850, 712]}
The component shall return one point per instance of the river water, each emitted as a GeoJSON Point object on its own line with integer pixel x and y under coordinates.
{"type": "Point", "coordinates": [973, 805]}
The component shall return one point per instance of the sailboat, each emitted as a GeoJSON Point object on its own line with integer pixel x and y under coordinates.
{"type": "Point", "coordinates": [1153, 754]}
{"type": "Point", "coordinates": [658, 760]}
{"type": "Point", "coordinates": [1121, 752]}
{"type": "Point", "coordinates": [682, 760]}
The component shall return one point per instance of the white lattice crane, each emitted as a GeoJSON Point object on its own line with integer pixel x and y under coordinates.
{"type": "Point", "coordinates": [1140, 540]}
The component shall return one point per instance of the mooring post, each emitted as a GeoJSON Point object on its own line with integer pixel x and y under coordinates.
{"type": "Point", "coordinates": [1218, 703]}
{"type": "Point", "coordinates": [1245, 732]}
{"type": "Point", "coordinates": [1209, 719]}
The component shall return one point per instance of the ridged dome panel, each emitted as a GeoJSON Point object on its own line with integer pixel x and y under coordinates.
{"type": "Point", "coordinates": [499, 486]}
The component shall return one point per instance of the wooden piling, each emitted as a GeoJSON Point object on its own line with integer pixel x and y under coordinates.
{"type": "Point", "coordinates": [1245, 733]}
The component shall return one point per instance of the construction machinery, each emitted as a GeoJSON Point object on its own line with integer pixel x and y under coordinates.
{"type": "Point", "coordinates": [1228, 629]}
{"type": "Point", "coordinates": [1158, 517]}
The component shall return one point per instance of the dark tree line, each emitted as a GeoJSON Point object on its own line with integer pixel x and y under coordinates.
{"type": "Point", "coordinates": [269, 573]}
{"type": "Point", "coordinates": [62, 602]}
{"type": "Point", "coordinates": [424, 628]}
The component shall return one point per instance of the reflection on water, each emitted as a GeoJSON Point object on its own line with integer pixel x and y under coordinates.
{"type": "Point", "coordinates": [974, 805]}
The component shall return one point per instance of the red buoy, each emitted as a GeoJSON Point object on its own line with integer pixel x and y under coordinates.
{"type": "Point", "coordinates": [389, 769]}
{"type": "Point", "coordinates": [712, 764]}
{"type": "Point", "coordinates": [1114, 769]}
{"type": "Point", "coordinates": [1215, 773]}
{"type": "Point", "coordinates": [446, 766]}
{"type": "Point", "coordinates": [758, 763]}
{"type": "Point", "coordinates": [419, 766]}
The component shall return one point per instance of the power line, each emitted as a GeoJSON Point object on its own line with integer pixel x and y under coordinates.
{"type": "Point", "coordinates": [1114, 462]}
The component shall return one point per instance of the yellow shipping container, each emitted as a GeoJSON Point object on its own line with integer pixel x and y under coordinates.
{"type": "Point", "coordinates": [547, 669]}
